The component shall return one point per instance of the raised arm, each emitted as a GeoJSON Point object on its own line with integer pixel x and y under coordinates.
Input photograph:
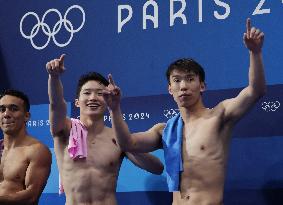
{"type": "Point", "coordinates": [35, 180]}
{"type": "Point", "coordinates": [138, 142]}
{"type": "Point", "coordinates": [147, 162]}
{"type": "Point", "coordinates": [236, 107]}
{"type": "Point", "coordinates": [57, 106]}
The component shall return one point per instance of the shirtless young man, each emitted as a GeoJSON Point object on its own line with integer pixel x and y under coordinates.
{"type": "Point", "coordinates": [25, 162]}
{"type": "Point", "coordinates": [90, 180]}
{"type": "Point", "coordinates": [206, 132]}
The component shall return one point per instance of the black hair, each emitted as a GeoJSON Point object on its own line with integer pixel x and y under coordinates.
{"type": "Point", "coordinates": [188, 65]}
{"type": "Point", "coordinates": [89, 77]}
{"type": "Point", "coordinates": [18, 94]}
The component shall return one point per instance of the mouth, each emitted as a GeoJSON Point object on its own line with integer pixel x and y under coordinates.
{"type": "Point", "coordinates": [184, 95]}
{"type": "Point", "coordinates": [8, 123]}
{"type": "Point", "coordinates": [93, 105]}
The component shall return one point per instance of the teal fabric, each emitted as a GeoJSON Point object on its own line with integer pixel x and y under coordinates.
{"type": "Point", "coordinates": [172, 145]}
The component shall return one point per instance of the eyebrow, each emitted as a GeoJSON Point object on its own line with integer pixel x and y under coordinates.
{"type": "Point", "coordinates": [9, 105]}
{"type": "Point", "coordinates": [189, 74]}
{"type": "Point", "coordinates": [92, 89]}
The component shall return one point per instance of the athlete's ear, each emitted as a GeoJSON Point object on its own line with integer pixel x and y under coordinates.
{"type": "Point", "coordinates": [77, 102]}
{"type": "Point", "coordinates": [169, 89]}
{"type": "Point", "coordinates": [202, 86]}
{"type": "Point", "coordinates": [27, 116]}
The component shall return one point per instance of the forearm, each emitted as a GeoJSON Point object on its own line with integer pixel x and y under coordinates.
{"type": "Point", "coordinates": [24, 197]}
{"type": "Point", "coordinates": [58, 107]}
{"type": "Point", "coordinates": [55, 90]}
{"type": "Point", "coordinates": [256, 74]}
{"type": "Point", "coordinates": [148, 162]}
{"type": "Point", "coordinates": [122, 131]}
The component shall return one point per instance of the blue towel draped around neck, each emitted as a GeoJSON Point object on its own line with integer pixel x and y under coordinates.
{"type": "Point", "coordinates": [172, 145]}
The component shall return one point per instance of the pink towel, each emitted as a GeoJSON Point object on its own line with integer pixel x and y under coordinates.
{"type": "Point", "coordinates": [77, 147]}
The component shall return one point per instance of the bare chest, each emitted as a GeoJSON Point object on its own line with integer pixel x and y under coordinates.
{"type": "Point", "coordinates": [205, 138]}
{"type": "Point", "coordinates": [103, 155]}
{"type": "Point", "coordinates": [14, 165]}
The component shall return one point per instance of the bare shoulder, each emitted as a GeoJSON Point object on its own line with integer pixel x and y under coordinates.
{"type": "Point", "coordinates": [38, 149]}
{"type": "Point", "coordinates": [218, 110]}
{"type": "Point", "coordinates": [227, 108]}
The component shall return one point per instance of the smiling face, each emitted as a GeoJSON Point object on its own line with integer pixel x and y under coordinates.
{"type": "Point", "coordinates": [91, 101]}
{"type": "Point", "coordinates": [13, 116]}
{"type": "Point", "coordinates": [185, 87]}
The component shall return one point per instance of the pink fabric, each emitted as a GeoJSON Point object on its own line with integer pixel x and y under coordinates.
{"type": "Point", "coordinates": [61, 188]}
{"type": "Point", "coordinates": [77, 147]}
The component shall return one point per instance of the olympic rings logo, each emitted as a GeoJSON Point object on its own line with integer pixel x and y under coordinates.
{"type": "Point", "coordinates": [170, 113]}
{"type": "Point", "coordinates": [51, 32]}
{"type": "Point", "coordinates": [270, 106]}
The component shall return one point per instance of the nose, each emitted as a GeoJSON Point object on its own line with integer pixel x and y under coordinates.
{"type": "Point", "coordinates": [7, 114]}
{"type": "Point", "coordinates": [183, 85]}
{"type": "Point", "coordinates": [93, 96]}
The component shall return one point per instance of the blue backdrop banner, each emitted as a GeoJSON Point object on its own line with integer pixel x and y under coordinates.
{"type": "Point", "coordinates": [135, 41]}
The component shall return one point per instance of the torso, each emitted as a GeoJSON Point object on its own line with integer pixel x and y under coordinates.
{"type": "Point", "coordinates": [90, 181]}
{"type": "Point", "coordinates": [14, 164]}
{"type": "Point", "coordinates": [204, 153]}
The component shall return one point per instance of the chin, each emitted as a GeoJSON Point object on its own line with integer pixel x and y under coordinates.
{"type": "Point", "coordinates": [95, 113]}
{"type": "Point", "coordinates": [8, 131]}
{"type": "Point", "coordinates": [183, 104]}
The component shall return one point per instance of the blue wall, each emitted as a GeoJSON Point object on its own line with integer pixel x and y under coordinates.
{"type": "Point", "coordinates": [138, 58]}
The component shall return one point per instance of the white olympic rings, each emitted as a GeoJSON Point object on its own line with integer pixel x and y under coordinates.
{"type": "Point", "coordinates": [50, 33]}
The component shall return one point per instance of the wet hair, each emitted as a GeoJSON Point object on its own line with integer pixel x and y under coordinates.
{"type": "Point", "coordinates": [18, 94]}
{"type": "Point", "coordinates": [187, 65]}
{"type": "Point", "coordinates": [89, 77]}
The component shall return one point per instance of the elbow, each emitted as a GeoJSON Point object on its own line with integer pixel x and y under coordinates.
{"type": "Point", "coordinates": [159, 170]}
{"type": "Point", "coordinates": [258, 91]}
{"type": "Point", "coordinates": [126, 147]}
{"type": "Point", "coordinates": [32, 200]}
{"type": "Point", "coordinates": [262, 91]}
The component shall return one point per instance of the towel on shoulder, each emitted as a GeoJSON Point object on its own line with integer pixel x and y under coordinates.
{"type": "Point", "coordinates": [172, 145]}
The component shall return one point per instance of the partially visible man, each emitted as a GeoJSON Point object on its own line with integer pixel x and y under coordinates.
{"type": "Point", "coordinates": [25, 162]}
{"type": "Point", "coordinates": [87, 152]}
{"type": "Point", "coordinates": [196, 141]}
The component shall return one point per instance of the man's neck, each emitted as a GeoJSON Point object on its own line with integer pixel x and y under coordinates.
{"type": "Point", "coordinates": [94, 124]}
{"type": "Point", "coordinates": [193, 112]}
{"type": "Point", "coordinates": [15, 139]}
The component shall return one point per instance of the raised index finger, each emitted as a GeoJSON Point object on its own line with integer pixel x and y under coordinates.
{"type": "Point", "coordinates": [62, 58]}
{"type": "Point", "coordinates": [111, 81]}
{"type": "Point", "coordinates": [248, 26]}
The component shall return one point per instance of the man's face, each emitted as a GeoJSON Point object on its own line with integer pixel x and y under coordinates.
{"type": "Point", "coordinates": [13, 115]}
{"type": "Point", "coordinates": [185, 87]}
{"type": "Point", "coordinates": [91, 101]}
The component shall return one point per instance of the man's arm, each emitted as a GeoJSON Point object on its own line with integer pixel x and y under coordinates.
{"type": "Point", "coordinates": [236, 107]}
{"type": "Point", "coordinates": [57, 106]}
{"type": "Point", "coordinates": [1, 152]}
{"type": "Point", "coordinates": [36, 177]}
{"type": "Point", "coordinates": [139, 142]}
{"type": "Point", "coordinates": [146, 161]}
